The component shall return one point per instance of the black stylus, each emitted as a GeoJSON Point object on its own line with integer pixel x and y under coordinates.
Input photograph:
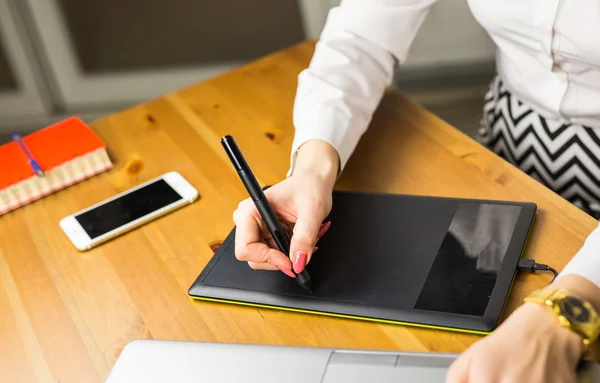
{"type": "Point", "coordinates": [262, 204]}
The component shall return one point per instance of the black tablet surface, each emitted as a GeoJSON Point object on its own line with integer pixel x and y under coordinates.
{"type": "Point", "coordinates": [425, 261]}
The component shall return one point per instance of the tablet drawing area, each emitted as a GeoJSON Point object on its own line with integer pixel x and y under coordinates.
{"type": "Point", "coordinates": [427, 261]}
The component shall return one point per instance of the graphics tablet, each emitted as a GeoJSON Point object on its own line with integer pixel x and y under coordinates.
{"type": "Point", "coordinates": [425, 261]}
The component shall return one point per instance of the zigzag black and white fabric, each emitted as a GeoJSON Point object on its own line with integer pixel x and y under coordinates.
{"type": "Point", "coordinates": [564, 157]}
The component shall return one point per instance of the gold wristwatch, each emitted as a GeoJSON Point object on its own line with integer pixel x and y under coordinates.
{"type": "Point", "coordinates": [572, 312]}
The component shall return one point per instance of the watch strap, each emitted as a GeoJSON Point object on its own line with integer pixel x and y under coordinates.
{"type": "Point", "coordinates": [550, 298]}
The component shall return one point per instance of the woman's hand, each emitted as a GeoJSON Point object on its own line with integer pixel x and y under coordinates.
{"type": "Point", "coordinates": [301, 202]}
{"type": "Point", "coordinates": [530, 346]}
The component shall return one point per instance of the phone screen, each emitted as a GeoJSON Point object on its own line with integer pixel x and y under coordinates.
{"type": "Point", "coordinates": [127, 208]}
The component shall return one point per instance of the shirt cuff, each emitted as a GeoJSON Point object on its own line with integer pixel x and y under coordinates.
{"type": "Point", "coordinates": [586, 263]}
{"type": "Point", "coordinates": [330, 125]}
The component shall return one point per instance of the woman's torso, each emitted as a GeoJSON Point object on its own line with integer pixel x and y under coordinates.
{"type": "Point", "coordinates": [548, 53]}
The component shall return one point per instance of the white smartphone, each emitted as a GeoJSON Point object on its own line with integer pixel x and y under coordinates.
{"type": "Point", "coordinates": [128, 210]}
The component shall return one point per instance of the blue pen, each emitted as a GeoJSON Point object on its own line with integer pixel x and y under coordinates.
{"type": "Point", "coordinates": [32, 162]}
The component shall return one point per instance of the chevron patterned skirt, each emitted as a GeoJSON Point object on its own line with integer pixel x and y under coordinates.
{"type": "Point", "coordinates": [564, 157]}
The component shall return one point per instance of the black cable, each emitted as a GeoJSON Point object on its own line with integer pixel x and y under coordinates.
{"type": "Point", "coordinates": [531, 266]}
{"type": "Point", "coordinates": [553, 271]}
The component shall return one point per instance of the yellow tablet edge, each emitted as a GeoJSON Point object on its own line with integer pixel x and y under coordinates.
{"type": "Point", "coordinates": [342, 316]}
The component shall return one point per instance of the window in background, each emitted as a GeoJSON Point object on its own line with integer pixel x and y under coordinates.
{"type": "Point", "coordinates": [115, 35]}
{"type": "Point", "coordinates": [7, 78]}
{"type": "Point", "coordinates": [104, 54]}
{"type": "Point", "coordinates": [21, 87]}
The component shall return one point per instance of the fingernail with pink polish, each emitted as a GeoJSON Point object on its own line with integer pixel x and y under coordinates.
{"type": "Point", "coordinates": [323, 229]}
{"type": "Point", "coordinates": [315, 250]}
{"type": "Point", "coordinates": [300, 262]}
{"type": "Point", "coordinates": [287, 272]}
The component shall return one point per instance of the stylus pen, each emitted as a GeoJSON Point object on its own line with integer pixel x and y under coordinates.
{"type": "Point", "coordinates": [262, 204]}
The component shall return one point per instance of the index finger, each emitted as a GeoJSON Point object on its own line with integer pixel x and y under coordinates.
{"type": "Point", "coordinates": [249, 240]}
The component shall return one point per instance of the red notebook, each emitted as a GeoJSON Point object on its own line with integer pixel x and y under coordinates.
{"type": "Point", "coordinates": [68, 152]}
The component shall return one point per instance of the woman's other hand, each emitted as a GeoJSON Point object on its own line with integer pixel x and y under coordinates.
{"type": "Point", "coordinates": [530, 346]}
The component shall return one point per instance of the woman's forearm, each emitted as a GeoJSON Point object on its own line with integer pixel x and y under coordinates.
{"type": "Point", "coordinates": [318, 158]}
{"type": "Point", "coordinates": [361, 45]}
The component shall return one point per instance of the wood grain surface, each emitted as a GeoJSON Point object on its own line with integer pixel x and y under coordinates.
{"type": "Point", "coordinates": [65, 315]}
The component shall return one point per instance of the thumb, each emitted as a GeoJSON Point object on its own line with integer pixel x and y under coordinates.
{"type": "Point", "coordinates": [304, 238]}
{"type": "Point", "coordinates": [458, 372]}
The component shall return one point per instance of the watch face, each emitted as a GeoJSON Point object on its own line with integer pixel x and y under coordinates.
{"type": "Point", "coordinates": [574, 310]}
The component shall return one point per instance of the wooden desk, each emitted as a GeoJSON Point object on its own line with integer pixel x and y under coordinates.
{"type": "Point", "coordinates": [66, 315]}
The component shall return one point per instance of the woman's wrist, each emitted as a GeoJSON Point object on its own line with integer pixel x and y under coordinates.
{"type": "Point", "coordinates": [581, 287]}
{"type": "Point", "coordinates": [534, 323]}
{"type": "Point", "coordinates": [317, 158]}
{"type": "Point", "coordinates": [545, 322]}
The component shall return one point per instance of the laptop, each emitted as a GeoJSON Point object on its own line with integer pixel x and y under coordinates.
{"type": "Point", "coordinates": [154, 361]}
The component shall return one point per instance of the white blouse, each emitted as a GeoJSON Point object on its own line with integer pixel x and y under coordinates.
{"type": "Point", "coordinates": [548, 54]}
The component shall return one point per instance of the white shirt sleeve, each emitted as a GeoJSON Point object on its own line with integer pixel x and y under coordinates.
{"type": "Point", "coordinates": [362, 43]}
{"type": "Point", "coordinates": [586, 262]}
